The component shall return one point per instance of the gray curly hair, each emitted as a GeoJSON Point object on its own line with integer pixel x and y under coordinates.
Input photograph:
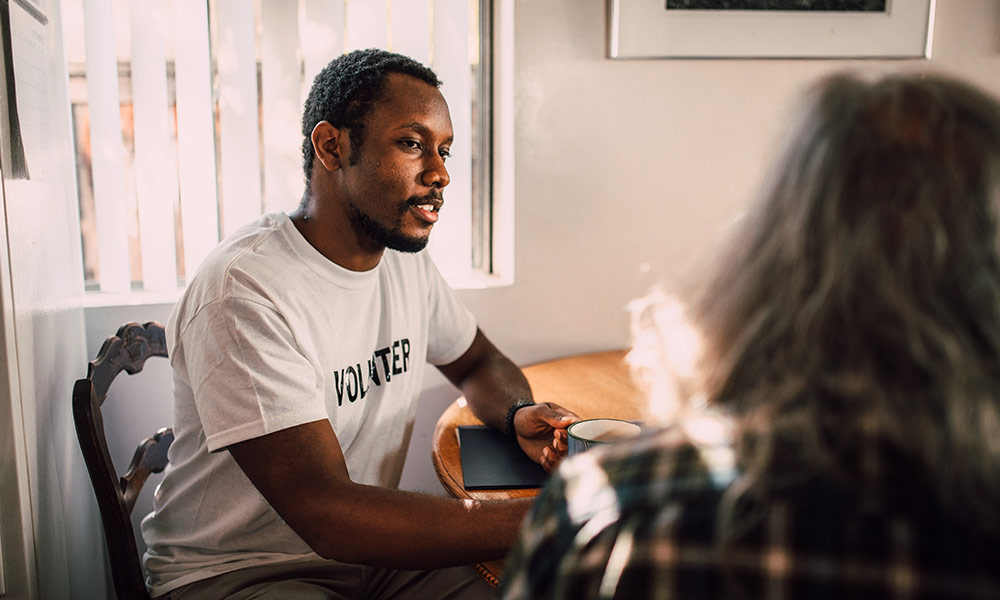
{"type": "Point", "coordinates": [854, 322]}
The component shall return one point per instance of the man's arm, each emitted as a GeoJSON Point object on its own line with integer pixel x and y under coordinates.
{"type": "Point", "coordinates": [301, 472]}
{"type": "Point", "coordinates": [491, 384]}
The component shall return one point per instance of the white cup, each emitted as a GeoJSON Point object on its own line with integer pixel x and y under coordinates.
{"type": "Point", "coordinates": [588, 433]}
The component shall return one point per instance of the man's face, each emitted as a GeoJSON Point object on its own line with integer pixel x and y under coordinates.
{"type": "Point", "coordinates": [393, 192]}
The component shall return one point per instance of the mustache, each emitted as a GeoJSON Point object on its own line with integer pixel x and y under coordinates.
{"type": "Point", "coordinates": [434, 196]}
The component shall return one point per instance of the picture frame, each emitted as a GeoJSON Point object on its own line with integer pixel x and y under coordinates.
{"type": "Point", "coordinates": [642, 29]}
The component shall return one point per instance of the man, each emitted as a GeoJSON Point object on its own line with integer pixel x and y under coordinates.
{"type": "Point", "coordinates": [298, 351]}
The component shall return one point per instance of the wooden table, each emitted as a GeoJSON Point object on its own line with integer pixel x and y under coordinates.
{"type": "Point", "coordinates": [591, 385]}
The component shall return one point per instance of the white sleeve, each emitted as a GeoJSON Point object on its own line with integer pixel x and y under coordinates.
{"type": "Point", "coordinates": [247, 373]}
{"type": "Point", "coordinates": [452, 327]}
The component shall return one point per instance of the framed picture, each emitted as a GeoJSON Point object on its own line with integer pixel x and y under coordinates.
{"type": "Point", "coordinates": [769, 28]}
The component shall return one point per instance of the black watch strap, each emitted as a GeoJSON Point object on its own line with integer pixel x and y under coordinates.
{"type": "Point", "coordinates": [508, 422]}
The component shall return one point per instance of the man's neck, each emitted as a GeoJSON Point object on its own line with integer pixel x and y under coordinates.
{"type": "Point", "coordinates": [332, 236]}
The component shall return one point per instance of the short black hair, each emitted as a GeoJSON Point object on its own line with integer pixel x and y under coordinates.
{"type": "Point", "coordinates": [344, 92]}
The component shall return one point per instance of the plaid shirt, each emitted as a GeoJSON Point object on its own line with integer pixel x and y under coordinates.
{"type": "Point", "coordinates": [639, 521]}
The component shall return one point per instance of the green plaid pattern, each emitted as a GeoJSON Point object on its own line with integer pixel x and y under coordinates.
{"type": "Point", "coordinates": [639, 521]}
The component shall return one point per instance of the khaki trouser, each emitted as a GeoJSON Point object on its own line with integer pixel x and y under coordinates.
{"type": "Point", "coordinates": [330, 580]}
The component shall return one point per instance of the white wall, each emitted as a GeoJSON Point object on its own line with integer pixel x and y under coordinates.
{"type": "Point", "coordinates": [622, 164]}
{"type": "Point", "coordinates": [45, 346]}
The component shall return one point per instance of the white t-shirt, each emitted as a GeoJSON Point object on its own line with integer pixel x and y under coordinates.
{"type": "Point", "coordinates": [269, 335]}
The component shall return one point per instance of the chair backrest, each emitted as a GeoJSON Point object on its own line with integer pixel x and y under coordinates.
{"type": "Point", "coordinates": [126, 351]}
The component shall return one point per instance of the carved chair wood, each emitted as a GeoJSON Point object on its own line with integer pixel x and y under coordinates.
{"type": "Point", "coordinates": [127, 351]}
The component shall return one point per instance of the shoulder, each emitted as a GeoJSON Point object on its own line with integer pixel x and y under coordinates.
{"type": "Point", "coordinates": [662, 476]}
{"type": "Point", "coordinates": [663, 465]}
{"type": "Point", "coordinates": [238, 268]}
{"type": "Point", "coordinates": [658, 492]}
{"type": "Point", "coordinates": [251, 248]}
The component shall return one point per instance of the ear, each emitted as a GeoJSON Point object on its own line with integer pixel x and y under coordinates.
{"type": "Point", "coordinates": [326, 141]}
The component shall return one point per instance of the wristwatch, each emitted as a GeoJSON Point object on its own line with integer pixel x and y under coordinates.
{"type": "Point", "coordinates": [508, 422]}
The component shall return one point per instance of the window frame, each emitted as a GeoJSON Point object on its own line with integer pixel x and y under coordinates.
{"type": "Point", "coordinates": [491, 261]}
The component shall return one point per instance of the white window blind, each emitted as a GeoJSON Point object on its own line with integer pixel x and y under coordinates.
{"type": "Point", "coordinates": [187, 117]}
{"type": "Point", "coordinates": [155, 157]}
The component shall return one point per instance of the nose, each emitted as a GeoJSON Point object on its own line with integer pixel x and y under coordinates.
{"type": "Point", "coordinates": [436, 174]}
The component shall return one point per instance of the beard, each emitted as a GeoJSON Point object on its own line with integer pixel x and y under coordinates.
{"type": "Point", "coordinates": [384, 236]}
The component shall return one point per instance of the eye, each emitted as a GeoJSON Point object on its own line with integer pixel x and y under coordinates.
{"type": "Point", "coordinates": [444, 153]}
{"type": "Point", "coordinates": [410, 144]}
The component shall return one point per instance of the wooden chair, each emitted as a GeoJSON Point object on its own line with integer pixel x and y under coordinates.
{"type": "Point", "coordinates": [126, 351]}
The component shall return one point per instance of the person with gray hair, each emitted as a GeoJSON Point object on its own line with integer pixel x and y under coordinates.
{"type": "Point", "coordinates": [850, 362]}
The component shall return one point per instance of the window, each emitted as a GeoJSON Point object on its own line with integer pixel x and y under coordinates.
{"type": "Point", "coordinates": [186, 118]}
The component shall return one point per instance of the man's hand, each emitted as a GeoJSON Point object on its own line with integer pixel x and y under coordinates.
{"type": "Point", "coordinates": [541, 432]}
{"type": "Point", "coordinates": [491, 383]}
